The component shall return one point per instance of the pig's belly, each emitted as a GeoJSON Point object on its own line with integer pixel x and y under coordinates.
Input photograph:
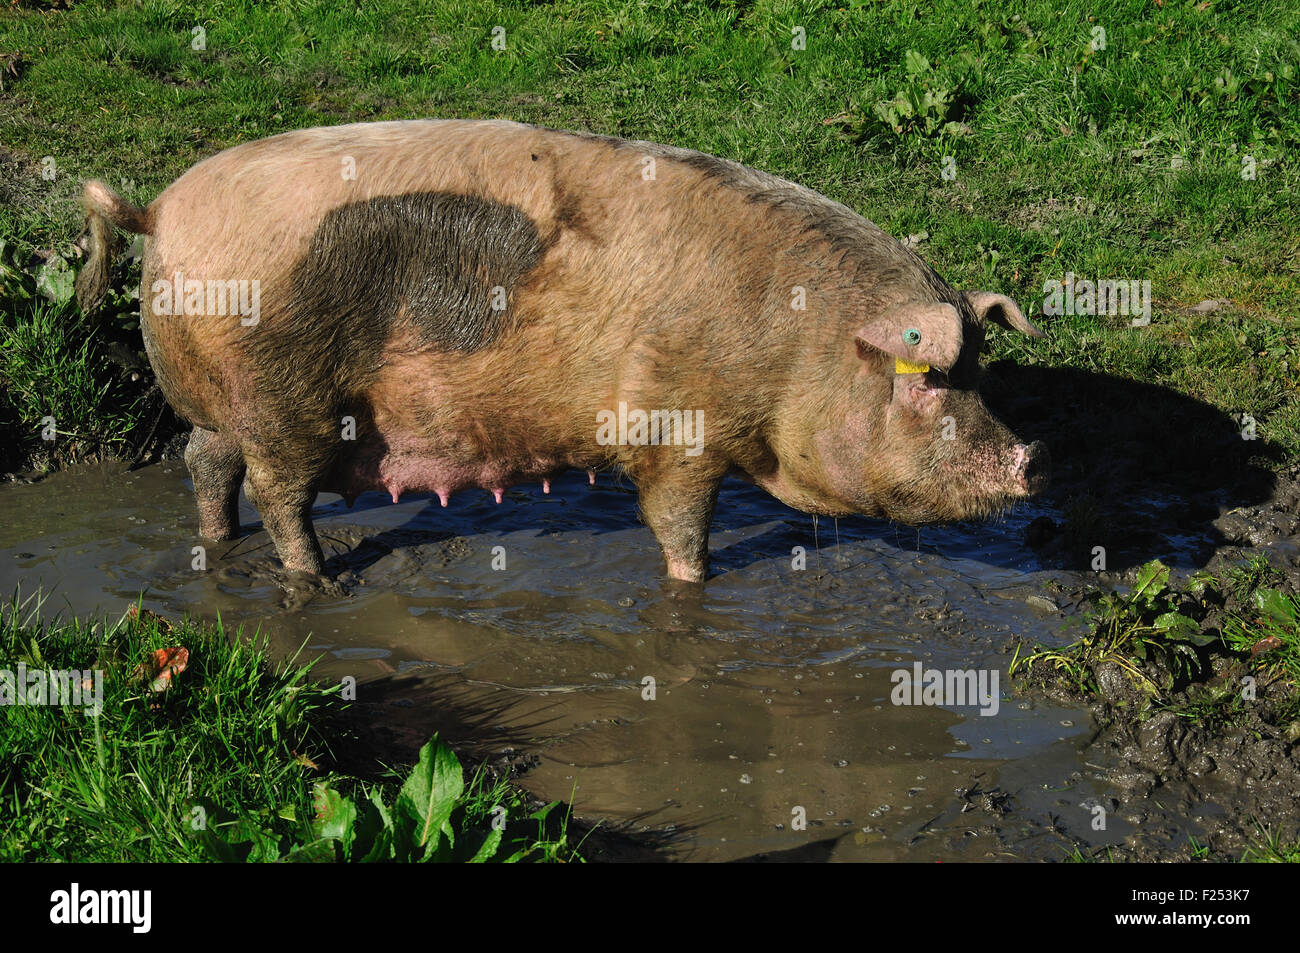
{"type": "Point", "coordinates": [397, 464]}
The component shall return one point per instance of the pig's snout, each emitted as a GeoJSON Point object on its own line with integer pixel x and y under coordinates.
{"type": "Point", "coordinates": [1031, 467]}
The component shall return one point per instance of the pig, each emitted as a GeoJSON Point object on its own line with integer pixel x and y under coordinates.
{"type": "Point", "coordinates": [435, 305]}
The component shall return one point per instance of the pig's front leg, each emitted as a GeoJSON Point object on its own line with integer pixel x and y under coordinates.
{"type": "Point", "coordinates": [677, 503]}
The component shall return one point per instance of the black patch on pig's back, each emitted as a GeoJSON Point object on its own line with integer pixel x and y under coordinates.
{"type": "Point", "coordinates": [423, 261]}
{"type": "Point", "coordinates": [417, 269]}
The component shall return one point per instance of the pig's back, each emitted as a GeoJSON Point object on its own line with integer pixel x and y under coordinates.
{"type": "Point", "coordinates": [373, 238]}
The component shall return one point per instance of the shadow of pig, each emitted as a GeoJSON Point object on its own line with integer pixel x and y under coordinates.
{"type": "Point", "coordinates": [1136, 466]}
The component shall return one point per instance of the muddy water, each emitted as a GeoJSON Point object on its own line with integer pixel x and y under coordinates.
{"type": "Point", "coordinates": [771, 690]}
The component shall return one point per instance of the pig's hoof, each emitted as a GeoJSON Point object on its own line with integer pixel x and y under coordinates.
{"type": "Point", "coordinates": [302, 587]}
{"type": "Point", "coordinates": [676, 587]}
{"type": "Point", "coordinates": [686, 572]}
{"type": "Point", "coordinates": [218, 529]}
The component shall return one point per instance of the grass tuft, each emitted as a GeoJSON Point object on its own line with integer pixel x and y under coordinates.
{"type": "Point", "coordinates": [228, 758]}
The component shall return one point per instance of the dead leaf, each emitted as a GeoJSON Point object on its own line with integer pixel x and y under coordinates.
{"type": "Point", "coordinates": [160, 665]}
{"type": "Point", "coordinates": [11, 68]}
{"type": "Point", "coordinates": [305, 761]}
{"type": "Point", "coordinates": [136, 614]}
{"type": "Point", "coordinates": [1266, 645]}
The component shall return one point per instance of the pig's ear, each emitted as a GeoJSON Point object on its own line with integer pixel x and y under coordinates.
{"type": "Point", "coordinates": [917, 335]}
{"type": "Point", "coordinates": [1000, 309]}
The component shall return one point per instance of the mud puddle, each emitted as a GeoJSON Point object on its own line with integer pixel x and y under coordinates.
{"type": "Point", "coordinates": [540, 627]}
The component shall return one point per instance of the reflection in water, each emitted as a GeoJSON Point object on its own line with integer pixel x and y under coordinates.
{"type": "Point", "coordinates": [728, 713]}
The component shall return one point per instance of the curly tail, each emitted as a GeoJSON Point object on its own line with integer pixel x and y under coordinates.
{"type": "Point", "coordinates": [105, 212]}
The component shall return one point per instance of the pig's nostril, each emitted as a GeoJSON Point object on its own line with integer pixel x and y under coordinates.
{"type": "Point", "coordinates": [1035, 466]}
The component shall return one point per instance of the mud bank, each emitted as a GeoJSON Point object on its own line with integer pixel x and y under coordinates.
{"type": "Point", "coordinates": [1199, 719]}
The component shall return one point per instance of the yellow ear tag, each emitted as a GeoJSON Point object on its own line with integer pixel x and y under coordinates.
{"type": "Point", "coordinates": [903, 367]}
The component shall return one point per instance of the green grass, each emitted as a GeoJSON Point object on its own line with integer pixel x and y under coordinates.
{"type": "Point", "coordinates": [234, 761]}
{"type": "Point", "coordinates": [1269, 849]}
{"type": "Point", "coordinates": [1150, 634]}
{"type": "Point", "coordinates": [52, 372]}
{"type": "Point", "coordinates": [1185, 649]}
{"type": "Point", "coordinates": [1269, 628]}
{"type": "Point", "coordinates": [1099, 855]}
{"type": "Point", "coordinates": [73, 388]}
{"type": "Point", "coordinates": [1123, 161]}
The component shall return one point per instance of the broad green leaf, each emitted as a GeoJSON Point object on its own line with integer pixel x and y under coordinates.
{"type": "Point", "coordinates": [441, 854]}
{"type": "Point", "coordinates": [916, 64]}
{"type": "Point", "coordinates": [212, 820]}
{"type": "Point", "coordinates": [430, 793]}
{"type": "Point", "coordinates": [264, 846]}
{"type": "Point", "coordinates": [216, 848]}
{"type": "Point", "coordinates": [381, 849]}
{"type": "Point", "coordinates": [1179, 626]}
{"type": "Point", "coordinates": [488, 848]}
{"type": "Point", "coordinates": [404, 847]}
{"type": "Point", "coordinates": [313, 852]}
{"type": "Point", "coordinates": [374, 832]}
{"type": "Point", "coordinates": [1278, 607]}
{"type": "Point", "coordinates": [56, 280]}
{"type": "Point", "coordinates": [1151, 581]}
{"type": "Point", "coordinates": [541, 813]}
{"type": "Point", "coordinates": [335, 818]}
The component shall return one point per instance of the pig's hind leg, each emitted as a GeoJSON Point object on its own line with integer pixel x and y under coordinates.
{"type": "Point", "coordinates": [216, 465]}
{"type": "Point", "coordinates": [284, 497]}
